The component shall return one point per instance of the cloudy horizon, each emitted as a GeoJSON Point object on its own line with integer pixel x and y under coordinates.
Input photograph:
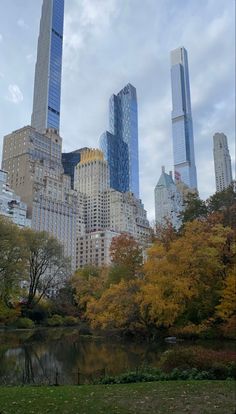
{"type": "Point", "coordinates": [109, 43]}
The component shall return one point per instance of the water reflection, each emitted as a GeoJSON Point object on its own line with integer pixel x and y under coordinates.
{"type": "Point", "coordinates": [62, 355]}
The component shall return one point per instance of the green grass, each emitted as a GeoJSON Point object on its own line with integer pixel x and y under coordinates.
{"type": "Point", "coordinates": [178, 397]}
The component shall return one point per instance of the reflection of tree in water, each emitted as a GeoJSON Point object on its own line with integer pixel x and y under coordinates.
{"type": "Point", "coordinates": [37, 357]}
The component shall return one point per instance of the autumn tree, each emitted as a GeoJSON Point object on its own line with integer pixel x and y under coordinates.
{"type": "Point", "coordinates": [126, 257]}
{"type": "Point", "coordinates": [117, 308]}
{"type": "Point", "coordinates": [227, 306]}
{"type": "Point", "coordinates": [46, 265]}
{"type": "Point", "coordinates": [89, 282]}
{"type": "Point", "coordinates": [12, 260]}
{"type": "Point", "coordinates": [183, 282]}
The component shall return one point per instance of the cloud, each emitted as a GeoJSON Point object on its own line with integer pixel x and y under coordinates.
{"type": "Point", "coordinates": [30, 58]}
{"type": "Point", "coordinates": [21, 23]}
{"type": "Point", "coordinates": [1, 37]}
{"type": "Point", "coordinates": [14, 94]}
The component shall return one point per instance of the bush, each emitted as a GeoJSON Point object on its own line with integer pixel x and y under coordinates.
{"type": "Point", "coordinates": [195, 357]}
{"type": "Point", "coordinates": [70, 321]}
{"type": "Point", "coordinates": [39, 313]}
{"type": "Point", "coordinates": [55, 320]}
{"type": "Point", "coordinates": [24, 323]}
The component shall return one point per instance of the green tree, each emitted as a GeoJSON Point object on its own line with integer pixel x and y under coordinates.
{"type": "Point", "coordinates": [194, 208]}
{"type": "Point", "coordinates": [47, 267]}
{"type": "Point", "coordinates": [12, 260]}
{"type": "Point", "coordinates": [224, 202]}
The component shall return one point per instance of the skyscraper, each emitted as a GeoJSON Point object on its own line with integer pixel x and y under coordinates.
{"type": "Point", "coordinates": [168, 201]}
{"type": "Point", "coordinates": [123, 120]}
{"type": "Point", "coordinates": [69, 162]}
{"type": "Point", "coordinates": [222, 162]}
{"type": "Point", "coordinates": [182, 126]}
{"type": "Point", "coordinates": [117, 155]}
{"type": "Point", "coordinates": [47, 82]}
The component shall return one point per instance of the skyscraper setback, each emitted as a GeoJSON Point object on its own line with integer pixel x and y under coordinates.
{"type": "Point", "coordinates": [182, 126]}
{"type": "Point", "coordinates": [47, 83]}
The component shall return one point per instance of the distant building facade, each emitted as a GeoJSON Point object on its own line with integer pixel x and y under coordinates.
{"type": "Point", "coordinates": [182, 126]}
{"type": "Point", "coordinates": [222, 162]}
{"type": "Point", "coordinates": [36, 175]}
{"type": "Point", "coordinates": [11, 205]}
{"type": "Point", "coordinates": [47, 83]}
{"type": "Point", "coordinates": [168, 201]}
{"type": "Point", "coordinates": [107, 212]}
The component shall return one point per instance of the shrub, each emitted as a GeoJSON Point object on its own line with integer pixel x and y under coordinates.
{"type": "Point", "coordinates": [39, 313]}
{"type": "Point", "coordinates": [55, 320]}
{"type": "Point", "coordinates": [70, 321]}
{"type": "Point", "coordinates": [194, 357]}
{"type": "Point", "coordinates": [24, 323]}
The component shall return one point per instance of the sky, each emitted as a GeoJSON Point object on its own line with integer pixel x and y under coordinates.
{"type": "Point", "coordinates": [109, 43]}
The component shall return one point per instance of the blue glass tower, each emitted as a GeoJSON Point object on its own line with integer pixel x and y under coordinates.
{"type": "Point", "coordinates": [69, 162]}
{"type": "Point", "coordinates": [116, 153]}
{"type": "Point", "coordinates": [123, 120]}
{"type": "Point", "coordinates": [47, 82]}
{"type": "Point", "coordinates": [182, 126]}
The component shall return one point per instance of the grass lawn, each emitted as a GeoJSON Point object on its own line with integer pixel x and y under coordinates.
{"type": "Point", "coordinates": [179, 397]}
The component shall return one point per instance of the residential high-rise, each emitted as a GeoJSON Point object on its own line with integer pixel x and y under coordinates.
{"type": "Point", "coordinates": [47, 83]}
{"type": "Point", "coordinates": [182, 126]}
{"type": "Point", "coordinates": [11, 205]}
{"type": "Point", "coordinates": [107, 212]}
{"type": "Point", "coordinates": [35, 172]}
{"type": "Point", "coordinates": [222, 162]}
{"type": "Point", "coordinates": [168, 201]}
{"type": "Point", "coordinates": [123, 120]}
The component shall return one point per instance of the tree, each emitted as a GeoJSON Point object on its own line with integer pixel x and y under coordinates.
{"type": "Point", "coordinates": [117, 308]}
{"type": "Point", "coordinates": [46, 265]}
{"type": "Point", "coordinates": [12, 260]}
{"type": "Point", "coordinates": [224, 202]}
{"type": "Point", "coordinates": [126, 257]}
{"type": "Point", "coordinates": [184, 282]}
{"type": "Point", "coordinates": [227, 307]}
{"type": "Point", "coordinates": [89, 282]}
{"type": "Point", "coordinates": [194, 208]}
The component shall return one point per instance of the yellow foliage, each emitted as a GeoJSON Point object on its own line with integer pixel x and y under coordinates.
{"type": "Point", "coordinates": [227, 307]}
{"type": "Point", "coordinates": [117, 308]}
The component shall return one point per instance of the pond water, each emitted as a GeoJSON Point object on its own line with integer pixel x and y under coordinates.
{"type": "Point", "coordinates": [64, 356]}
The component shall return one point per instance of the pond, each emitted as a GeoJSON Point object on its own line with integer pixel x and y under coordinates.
{"type": "Point", "coordinates": [64, 356]}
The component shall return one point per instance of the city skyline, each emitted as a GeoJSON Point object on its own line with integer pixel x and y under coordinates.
{"type": "Point", "coordinates": [155, 144]}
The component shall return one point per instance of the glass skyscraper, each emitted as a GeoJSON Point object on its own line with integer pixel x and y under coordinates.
{"type": "Point", "coordinates": [69, 162]}
{"type": "Point", "coordinates": [116, 153]}
{"type": "Point", "coordinates": [182, 126]}
{"type": "Point", "coordinates": [123, 123]}
{"type": "Point", "coordinates": [47, 82]}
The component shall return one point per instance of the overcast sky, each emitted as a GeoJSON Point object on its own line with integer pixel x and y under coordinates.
{"type": "Point", "coordinates": [108, 43]}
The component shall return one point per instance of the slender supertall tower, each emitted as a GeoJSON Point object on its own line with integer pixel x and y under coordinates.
{"type": "Point", "coordinates": [182, 126]}
{"type": "Point", "coordinates": [47, 82]}
{"type": "Point", "coordinates": [222, 162]}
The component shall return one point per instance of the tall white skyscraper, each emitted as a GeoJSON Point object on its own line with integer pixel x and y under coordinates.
{"type": "Point", "coordinates": [222, 162]}
{"type": "Point", "coordinates": [47, 82]}
{"type": "Point", "coordinates": [182, 126]}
